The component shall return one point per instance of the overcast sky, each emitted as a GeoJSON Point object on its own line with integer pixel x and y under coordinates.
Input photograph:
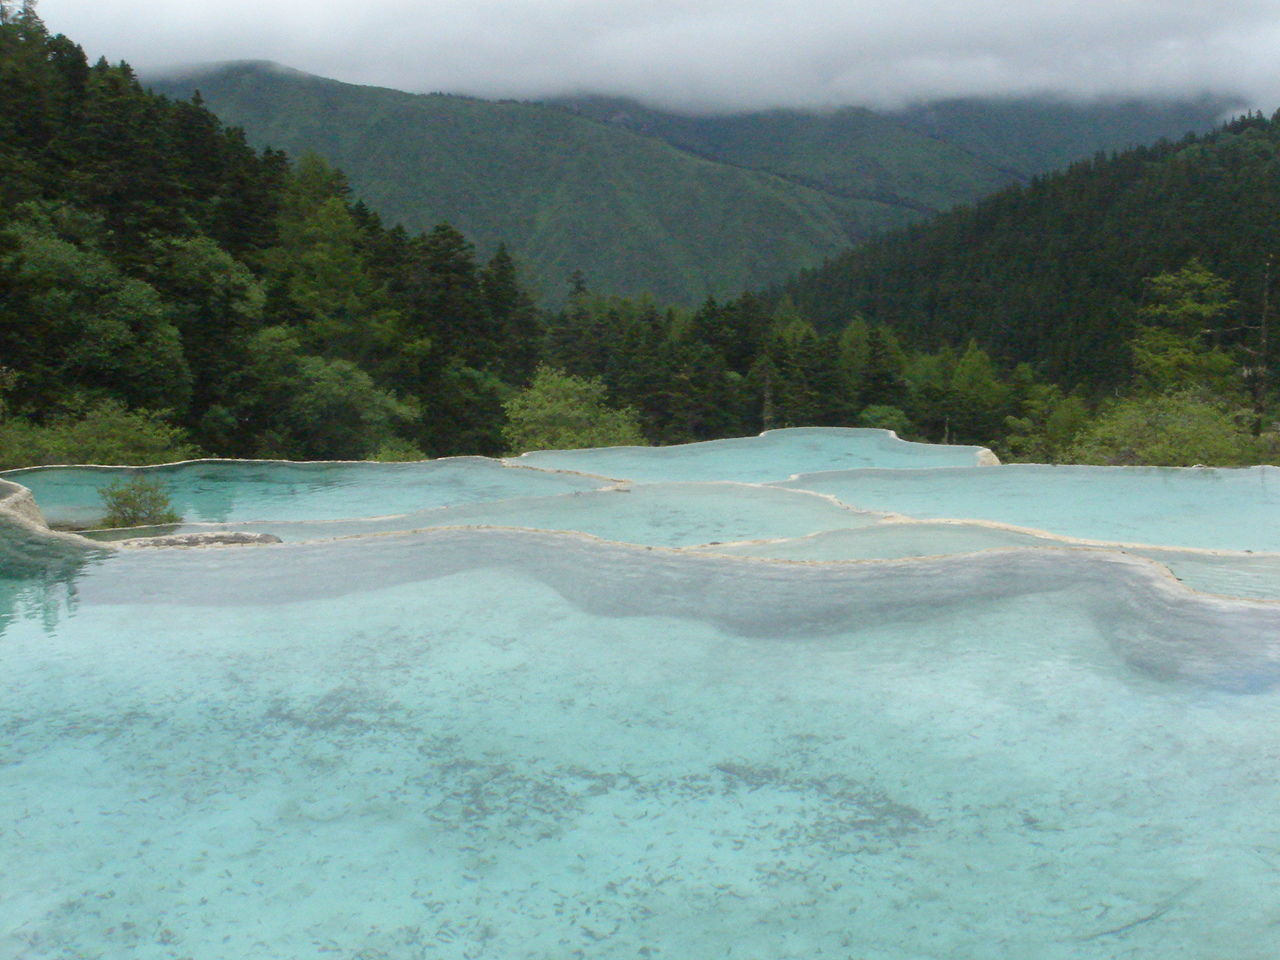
{"type": "Point", "coordinates": [714, 54]}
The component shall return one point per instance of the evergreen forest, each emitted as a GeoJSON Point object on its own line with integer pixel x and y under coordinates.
{"type": "Point", "coordinates": [168, 291]}
{"type": "Point", "coordinates": [643, 200]}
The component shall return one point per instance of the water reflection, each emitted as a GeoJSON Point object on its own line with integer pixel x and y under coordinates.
{"type": "Point", "coordinates": [38, 576]}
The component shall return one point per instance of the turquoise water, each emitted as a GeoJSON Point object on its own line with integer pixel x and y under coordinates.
{"type": "Point", "coordinates": [1252, 575]}
{"type": "Point", "coordinates": [479, 742]}
{"type": "Point", "coordinates": [772, 456]}
{"type": "Point", "coordinates": [887, 540]}
{"type": "Point", "coordinates": [1219, 509]}
{"type": "Point", "coordinates": [1256, 576]}
{"type": "Point", "coordinates": [306, 749]}
{"type": "Point", "coordinates": [238, 491]}
{"type": "Point", "coordinates": [659, 514]}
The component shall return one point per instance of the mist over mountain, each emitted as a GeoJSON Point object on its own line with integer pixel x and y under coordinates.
{"type": "Point", "coordinates": [712, 56]}
{"type": "Point", "coordinates": [646, 201]}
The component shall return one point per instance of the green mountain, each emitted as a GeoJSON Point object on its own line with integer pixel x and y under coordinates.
{"type": "Point", "coordinates": [166, 289]}
{"type": "Point", "coordinates": [643, 201]}
{"type": "Point", "coordinates": [1054, 272]}
{"type": "Point", "coordinates": [564, 192]}
{"type": "Point", "coordinates": [853, 152]}
{"type": "Point", "coordinates": [927, 158]}
{"type": "Point", "coordinates": [1036, 135]}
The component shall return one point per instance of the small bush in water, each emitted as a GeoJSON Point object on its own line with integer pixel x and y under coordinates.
{"type": "Point", "coordinates": [137, 502]}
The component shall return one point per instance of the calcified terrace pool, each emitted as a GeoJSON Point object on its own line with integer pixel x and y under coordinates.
{"type": "Point", "coordinates": [819, 693]}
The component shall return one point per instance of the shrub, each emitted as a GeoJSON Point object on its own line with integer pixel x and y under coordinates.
{"type": "Point", "coordinates": [139, 501]}
{"type": "Point", "coordinates": [304, 407]}
{"type": "Point", "coordinates": [885, 417]}
{"type": "Point", "coordinates": [105, 433]}
{"type": "Point", "coordinates": [1175, 430]}
{"type": "Point", "coordinates": [398, 450]}
{"type": "Point", "coordinates": [559, 411]}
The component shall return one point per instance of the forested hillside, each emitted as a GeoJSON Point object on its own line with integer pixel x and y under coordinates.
{"type": "Point", "coordinates": [926, 158]}
{"type": "Point", "coordinates": [168, 291]}
{"type": "Point", "coordinates": [852, 152]}
{"type": "Point", "coordinates": [160, 278]}
{"type": "Point", "coordinates": [1035, 135]}
{"type": "Point", "coordinates": [646, 201]}
{"type": "Point", "coordinates": [632, 213]}
{"type": "Point", "coordinates": [1054, 272]}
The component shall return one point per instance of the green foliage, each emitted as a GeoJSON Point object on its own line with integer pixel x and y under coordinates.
{"type": "Point", "coordinates": [1191, 301]}
{"type": "Point", "coordinates": [135, 502]}
{"type": "Point", "coordinates": [1179, 350]}
{"type": "Point", "coordinates": [1055, 273]}
{"type": "Point", "coordinates": [885, 417]}
{"type": "Point", "coordinates": [851, 152]}
{"type": "Point", "coordinates": [1036, 135]}
{"type": "Point", "coordinates": [463, 413]}
{"type": "Point", "coordinates": [634, 212]}
{"type": "Point", "coordinates": [1174, 430]}
{"type": "Point", "coordinates": [305, 407]}
{"type": "Point", "coordinates": [647, 201]}
{"type": "Point", "coordinates": [960, 399]}
{"type": "Point", "coordinates": [85, 322]}
{"type": "Point", "coordinates": [1047, 428]}
{"type": "Point", "coordinates": [151, 260]}
{"type": "Point", "coordinates": [397, 450]}
{"type": "Point", "coordinates": [881, 380]}
{"type": "Point", "coordinates": [514, 325]}
{"type": "Point", "coordinates": [559, 411]}
{"type": "Point", "coordinates": [103, 433]}
{"type": "Point", "coordinates": [215, 302]}
{"type": "Point", "coordinates": [1168, 362]}
{"type": "Point", "coordinates": [8, 378]}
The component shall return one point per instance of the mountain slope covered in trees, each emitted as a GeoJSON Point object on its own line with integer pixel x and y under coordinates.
{"type": "Point", "coordinates": [1054, 272]}
{"type": "Point", "coordinates": [1039, 134]}
{"type": "Point", "coordinates": [641, 200]}
{"type": "Point", "coordinates": [161, 278]}
{"type": "Point", "coordinates": [853, 152]}
{"type": "Point", "coordinates": [634, 214]}
{"type": "Point", "coordinates": [928, 157]}
{"type": "Point", "coordinates": [166, 290]}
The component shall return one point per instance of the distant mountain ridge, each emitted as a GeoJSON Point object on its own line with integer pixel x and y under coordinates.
{"type": "Point", "coordinates": [639, 200]}
{"type": "Point", "coordinates": [929, 156]}
{"type": "Point", "coordinates": [1035, 136]}
{"type": "Point", "coordinates": [566, 193]}
{"type": "Point", "coordinates": [852, 152]}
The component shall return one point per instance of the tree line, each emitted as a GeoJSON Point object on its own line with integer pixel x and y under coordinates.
{"type": "Point", "coordinates": [1054, 272]}
{"type": "Point", "coordinates": [155, 267]}
{"type": "Point", "coordinates": [167, 291]}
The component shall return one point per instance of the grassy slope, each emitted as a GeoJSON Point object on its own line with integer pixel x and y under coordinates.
{"type": "Point", "coordinates": [565, 192]}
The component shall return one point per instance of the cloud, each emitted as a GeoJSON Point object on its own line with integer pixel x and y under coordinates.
{"type": "Point", "coordinates": [715, 54]}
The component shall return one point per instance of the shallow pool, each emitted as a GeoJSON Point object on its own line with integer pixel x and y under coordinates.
{"type": "Point", "coordinates": [1222, 509]}
{"type": "Point", "coordinates": [248, 490]}
{"type": "Point", "coordinates": [865, 738]}
{"type": "Point", "coordinates": [774, 455]}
